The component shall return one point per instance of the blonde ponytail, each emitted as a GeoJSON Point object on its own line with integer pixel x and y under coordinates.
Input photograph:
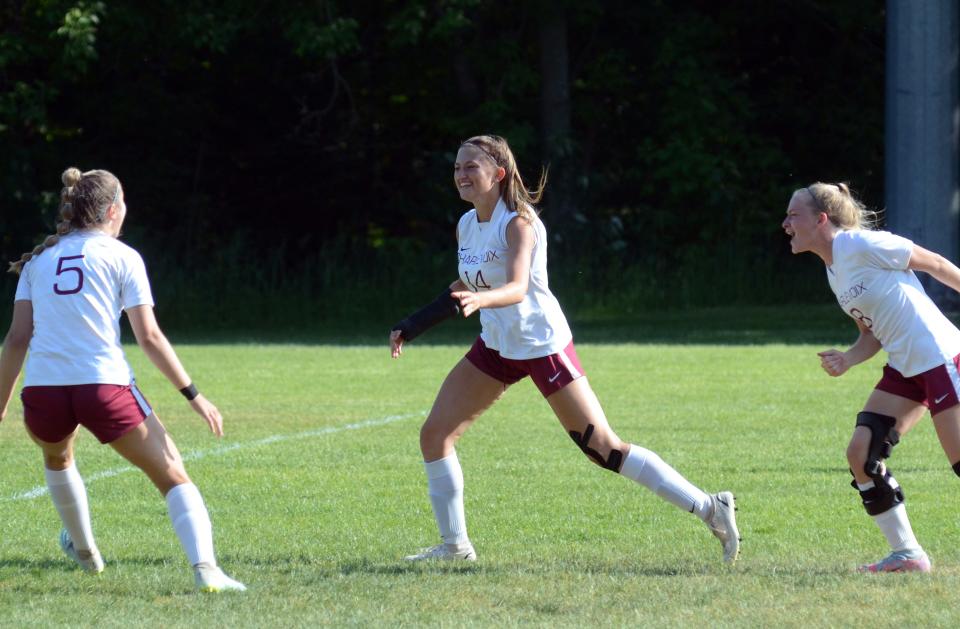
{"type": "Point", "coordinates": [841, 206]}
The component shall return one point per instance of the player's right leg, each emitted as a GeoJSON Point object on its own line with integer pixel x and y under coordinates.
{"type": "Point", "coordinates": [149, 447]}
{"type": "Point", "coordinates": [50, 423]}
{"type": "Point", "coordinates": [464, 395]}
{"type": "Point", "coordinates": [885, 418]}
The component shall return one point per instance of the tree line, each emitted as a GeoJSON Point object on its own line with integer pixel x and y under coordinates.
{"type": "Point", "coordinates": [271, 136]}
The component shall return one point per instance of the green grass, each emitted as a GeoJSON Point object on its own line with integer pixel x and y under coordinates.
{"type": "Point", "coordinates": [314, 516]}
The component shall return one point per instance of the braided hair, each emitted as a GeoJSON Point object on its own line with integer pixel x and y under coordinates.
{"type": "Point", "coordinates": [84, 202]}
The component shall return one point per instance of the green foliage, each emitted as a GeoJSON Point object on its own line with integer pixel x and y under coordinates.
{"type": "Point", "coordinates": [79, 31]}
{"type": "Point", "coordinates": [309, 124]}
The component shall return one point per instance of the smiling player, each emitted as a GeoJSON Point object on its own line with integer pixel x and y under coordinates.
{"type": "Point", "coordinates": [502, 248]}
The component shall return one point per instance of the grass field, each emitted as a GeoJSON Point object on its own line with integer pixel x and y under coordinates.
{"type": "Point", "coordinates": [317, 490]}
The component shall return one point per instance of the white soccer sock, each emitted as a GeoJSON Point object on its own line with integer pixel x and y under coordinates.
{"type": "Point", "coordinates": [445, 486]}
{"type": "Point", "coordinates": [648, 469]}
{"type": "Point", "coordinates": [69, 496]}
{"type": "Point", "coordinates": [191, 522]}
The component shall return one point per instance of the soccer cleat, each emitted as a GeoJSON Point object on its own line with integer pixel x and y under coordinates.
{"type": "Point", "coordinates": [902, 561]}
{"type": "Point", "coordinates": [89, 560]}
{"type": "Point", "coordinates": [445, 552]}
{"type": "Point", "coordinates": [723, 524]}
{"type": "Point", "coordinates": [212, 579]}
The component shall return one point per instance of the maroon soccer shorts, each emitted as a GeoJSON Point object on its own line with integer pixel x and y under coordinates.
{"type": "Point", "coordinates": [937, 388]}
{"type": "Point", "coordinates": [550, 373]}
{"type": "Point", "coordinates": [107, 410]}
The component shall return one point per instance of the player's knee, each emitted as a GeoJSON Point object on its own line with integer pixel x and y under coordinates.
{"type": "Point", "coordinates": [433, 439]}
{"type": "Point", "coordinates": [883, 437]}
{"type": "Point", "coordinates": [605, 450]}
{"type": "Point", "coordinates": [856, 454]}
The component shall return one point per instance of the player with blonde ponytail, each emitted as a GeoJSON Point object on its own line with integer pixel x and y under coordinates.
{"type": "Point", "coordinates": [72, 290]}
{"type": "Point", "coordinates": [872, 274]}
{"type": "Point", "coordinates": [502, 250]}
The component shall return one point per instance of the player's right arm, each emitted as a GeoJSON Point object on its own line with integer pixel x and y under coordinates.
{"type": "Point", "coordinates": [155, 345]}
{"type": "Point", "coordinates": [14, 351]}
{"type": "Point", "coordinates": [836, 363]}
{"type": "Point", "coordinates": [441, 308]}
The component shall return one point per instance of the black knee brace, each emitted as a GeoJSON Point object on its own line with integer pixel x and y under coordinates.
{"type": "Point", "coordinates": [956, 468]}
{"type": "Point", "coordinates": [882, 496]}
{"type": "Point", "coordinates": [613, 461]}
{"type": "Point", "coordinates": [883, 437]}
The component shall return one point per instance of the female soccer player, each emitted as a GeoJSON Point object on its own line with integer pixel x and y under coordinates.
{"type": "Point", "coordinates": [503, 275]}
{"type": "Point", "coordinates": [872, 275]}
{"type": "Point", "coordinates": [67, 313]}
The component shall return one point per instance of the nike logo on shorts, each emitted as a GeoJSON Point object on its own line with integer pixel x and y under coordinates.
{"type": "Point", "coordinates": [555, 376]}
{"type": "Point", "coordinates": [941, 398]}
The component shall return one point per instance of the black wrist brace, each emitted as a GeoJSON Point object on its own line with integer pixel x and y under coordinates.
{"type": "Point", "coordinates": [440, 309]}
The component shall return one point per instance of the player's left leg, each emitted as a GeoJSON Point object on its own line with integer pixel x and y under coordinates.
{"type": "Point", "coordinates": [149, 447]}
{"type": "Point", "coordinates": [581, 415]}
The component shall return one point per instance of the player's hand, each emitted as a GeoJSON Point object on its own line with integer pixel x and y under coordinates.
{"type": "Point", "coordinates": [834, 362]}
{"type": "Point", "coordinates": [396, 344]}
{"type": "Point", "coordinates": [469, 301]}
{"type": "Point", "coordinates": [209, 413]}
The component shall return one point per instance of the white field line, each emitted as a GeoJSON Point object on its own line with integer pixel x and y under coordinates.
{"type": "Point", "coordinates": [41, 490]}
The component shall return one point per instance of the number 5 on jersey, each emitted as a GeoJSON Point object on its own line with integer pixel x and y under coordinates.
{"type": "Point", "coordinates": [478, 281]}
{"type": "Point", "coordinates": [63, 270]}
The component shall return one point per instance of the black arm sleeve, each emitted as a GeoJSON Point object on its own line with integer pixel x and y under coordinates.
{"type": "Point", "coordinates": [440, 309]}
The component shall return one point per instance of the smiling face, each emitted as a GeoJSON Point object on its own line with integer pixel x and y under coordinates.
{"type": "Point", "coordinates": [476, 176]}
{"type": "Point", "coordinates": [802, 222]}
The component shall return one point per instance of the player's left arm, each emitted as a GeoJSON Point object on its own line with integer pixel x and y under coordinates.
{"type": "Point", "coordinates": [14, 352]}
{"type": "Point", "coordinates": [521, 239]}
{"type": "Point", "coordinates": [936, 266]}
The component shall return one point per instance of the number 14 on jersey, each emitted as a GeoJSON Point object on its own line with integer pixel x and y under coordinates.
{"type": "Point", "coordinates": [477, 283]}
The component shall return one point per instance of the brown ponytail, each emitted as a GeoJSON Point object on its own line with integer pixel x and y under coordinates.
{"type": "Point", "coordinates": [84, 201]}
{"type": "Point", "coordinates": [516, 195]}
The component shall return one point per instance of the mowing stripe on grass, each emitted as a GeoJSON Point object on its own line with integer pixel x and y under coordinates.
{"type": "Point", "coordinates": [41, 490]}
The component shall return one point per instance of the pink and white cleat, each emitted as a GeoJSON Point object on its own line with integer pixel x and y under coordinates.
{"type": "Point", "coordinates": [902, 561]}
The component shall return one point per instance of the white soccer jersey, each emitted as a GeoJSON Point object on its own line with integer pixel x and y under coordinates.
{"type": "Point", "coordinates": [533, 328]}
{"type": "Point", "coordinates": [870, 278]}
{"type": "Point", "coordinates": [78, 288]}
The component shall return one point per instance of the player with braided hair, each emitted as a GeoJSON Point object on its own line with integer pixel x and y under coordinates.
{"type": "Point", "coordinates": [873, 276]}
{"type": "Point", "coordinates": [503, 275]}
{"type": "Point", "coordinates": [71, 292]}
